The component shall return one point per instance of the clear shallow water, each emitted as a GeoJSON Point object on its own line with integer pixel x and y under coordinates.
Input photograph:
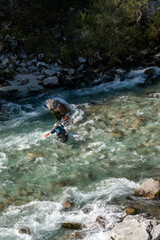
{"type": "Point", "coordinates": [113, 146]}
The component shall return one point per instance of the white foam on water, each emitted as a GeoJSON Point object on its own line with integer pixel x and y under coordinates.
{"type": "Point", "coordinates": [39, 217]}
{"type": "Point", "coordinates": [107, 189]}
{"type": "Point", "coordinates": [3, 160]}
{"type": "Point", "coordinates": [13, 234]}
{"type": "Point", "coordinates": [44, 217]}
{"type": "Point", "coordinates": [77, 114]}
{"type": "Point", "coordinates": [22, 141]}
{"type": "Point", "coordinates": [17, 114]}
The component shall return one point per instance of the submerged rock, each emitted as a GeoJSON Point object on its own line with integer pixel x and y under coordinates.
{"type": "Point", "coordinates": [102, 221]}
{"type": "Point", "coordinates": [57, 108]}
{"type": "Point", "coordinates": [69, 202]}
{"type": "Point", "coordinates": [73, 225]}
{"type": "Point", "coordinates": [25, 230]}
{"type": "Point", "coordinates": [136, 228]}
{"type": "Point", "coordinates": [148, 207]}
{"type": "Point", "coordinates": [74, 235]}
{"type": "Point", "coordinates": [149, 188]}
{"type": "Point", "coordinates": [131, 211]}
{"type": "Point", "coordinates": [149, 71]}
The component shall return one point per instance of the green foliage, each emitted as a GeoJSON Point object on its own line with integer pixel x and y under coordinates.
{"type": "Point", "coordinates": [97, 29]}
{"type": "Point", "coordinates": [154, 31]}
{"type": "Point", "coordinates": [112, 29]}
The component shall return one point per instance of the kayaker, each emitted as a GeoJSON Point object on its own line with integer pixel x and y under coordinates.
{"type": "Point", "coordinates": [60, 131]}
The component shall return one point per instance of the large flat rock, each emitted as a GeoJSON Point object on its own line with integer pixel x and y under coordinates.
{"type": "Point", "coordinates": [136, 228]}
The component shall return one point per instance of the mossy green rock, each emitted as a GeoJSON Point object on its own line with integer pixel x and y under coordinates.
{"type": "Point", "coordinates": [131, 211]}
{"type": "Point", "coordinates": [72, 225]}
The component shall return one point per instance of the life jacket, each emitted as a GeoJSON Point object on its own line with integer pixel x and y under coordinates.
{"type": "Point", "coordinates": [59, 130]}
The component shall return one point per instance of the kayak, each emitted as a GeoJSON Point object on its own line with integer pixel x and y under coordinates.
{"type": "Point", "coordinates": [63, 136]}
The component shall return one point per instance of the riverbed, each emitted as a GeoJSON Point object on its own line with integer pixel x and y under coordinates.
{"type": "Point", "coordinates": [113, 146]}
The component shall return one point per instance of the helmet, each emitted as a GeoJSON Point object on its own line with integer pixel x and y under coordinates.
{"type": "Point", "coordinates": [55, 125]}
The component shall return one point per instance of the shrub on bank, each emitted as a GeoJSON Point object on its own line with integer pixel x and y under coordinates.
{"type": "Point", "coordinates": [100, 30]}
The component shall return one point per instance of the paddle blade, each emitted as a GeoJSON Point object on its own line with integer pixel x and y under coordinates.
{"type": "Point", "coordinates": [46, 135]}
{"type": "Point", "coordinates": [66, 118]}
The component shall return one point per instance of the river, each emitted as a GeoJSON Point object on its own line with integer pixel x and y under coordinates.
{"type": "Point", "coordinates": [113, 146]}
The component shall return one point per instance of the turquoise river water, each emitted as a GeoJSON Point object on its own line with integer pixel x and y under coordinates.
{"type": "Point", "coordinates": [114, 145]}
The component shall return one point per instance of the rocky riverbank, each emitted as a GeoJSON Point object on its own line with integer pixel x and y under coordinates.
{"type": "Point", "coordinates": [22, 74]}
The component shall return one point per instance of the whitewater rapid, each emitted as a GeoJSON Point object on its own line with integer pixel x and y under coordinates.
{"type": "Point", "coordinates": [113, 146]}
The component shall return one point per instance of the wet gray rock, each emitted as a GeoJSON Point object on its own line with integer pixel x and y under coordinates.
{"type": "Point", "coordinates": [2, 58]}
{"type": "Point", "coordinates": [51, 82]}
{"type": "Point", "coordinates": [42, 64]}
{"type": "Point", "coordinates": [82, 60]}
{"type": "Point", "coordinates": [51, 72]}
{"type": "Point", "coordinates": [136, 228]}
{"type": "Point", "coordinates": [149, 188]}
{"type": "Point", "coordinates": [40, 77]}
{"type": "Point", "coordinates": [57, 108]}
{"type": "Point", "coordinates": [23, 65]}
{"type": "Point", "coordinates": [34, 61]}
{"type": "Point", "coordinates": [5, 62]}
{"type": "Point", "coordinates": [70, 71]}
{"type": "Point", "coordinates": [32, 68]}
{"type": "Point", "coordinates": [40, 56]}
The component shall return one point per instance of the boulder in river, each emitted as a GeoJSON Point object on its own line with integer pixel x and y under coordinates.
{"type": "Point", "coordinates": [25, 230]}
{"type": "Point", "coordinates": [149, 188]}
{"type": "Point", "coordinates": [136, 228]}
{"type": "Point", "coordinates": [57, 108]}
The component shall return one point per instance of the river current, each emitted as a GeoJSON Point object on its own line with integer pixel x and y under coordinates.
{"type": "Point", "coordinates": [113, 146]}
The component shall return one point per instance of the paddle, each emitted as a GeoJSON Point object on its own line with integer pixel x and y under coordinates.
{"type": "Point", "coordinates": [64, 120]}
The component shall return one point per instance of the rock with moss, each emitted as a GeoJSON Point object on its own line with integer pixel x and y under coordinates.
{"type": "Point", "coordinates": [131, 211]}
{"type": "Point", "coordinates": [72, 225]}
{"type": "Point", "coordinates": [149, 188]}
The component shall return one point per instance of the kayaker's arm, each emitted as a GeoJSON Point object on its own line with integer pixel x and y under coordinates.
{"type": "Point", "coordinates": [53, 131]}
